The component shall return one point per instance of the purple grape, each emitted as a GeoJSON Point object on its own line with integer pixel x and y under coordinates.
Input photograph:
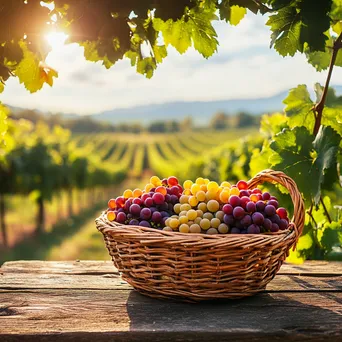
{"type": "Point", "coordinates": [135, 210]}
{"type": "Point", "coordinates": [273, 198]}
{"type": "Point", "coordinates": [234, 201]}
{"type": "Point", "coordinates": [274, 228]}
{"type": "Point", "coordinates": [153, 190]}
{"type": "Point", "coordinates": [227, 209]}
{"type": "Point", "coordinates": [251, 207]}
{"type": "Point", "coordinates": [153, 209]}
{"type": "Point", "coordinates": [129, 216]}
{"type": "Point", "coordinates": [244, 193]}
{"type": "Point", "coordinates": [244, 231]}
{"type": "Point", "coordinates": [158, 198]}
{"type": "Point", "coordinates": [235, 230]}
{"type": "Point", "coordinates": [121, 210]}
{"type": "Point", "coordinates": [275, 219]}
{"type": "Point", "coordinates": [163, 206]}
{"type": "Point", "coordinates": [246, 221]}
{"type": "Point", "coordinates": [253, 228]}
{"type": "Point", "coordinates": [121, 217]}
{"type": "Point", "coordinates": [149, 202]}
{"type": "Point", "coordinates": [127, 205]}
{"type": "Point", "coordinates": [283, 224]}
{"type": "Point", "coordinates": [174, 190]}
{"type": "Point", "coordinates": [258, 219]}
{"type": "Point", "coordinates": [260, 206]}
{"type": "Point", "coordinates": [174, 199]}
{"type": "Point", "coordinates": [228, 219]}
{"type": "Point", "coordinates": [238, 212]}
{"type": "Point", "coordinates": [274, 203]}
{"type": "Point", "coordinates": [165, 214]}
{"type": "Point", "coordinates": [270, 210]}
{"type": "Point", "coordinates": [144, 224]}
{"type": "Point", "coordinates": [145, 213]}
{"type": "Point", "coordinates": [134, 222]}
{"type": "Point", "coordinates": [170, 205]}
{"type": "Point", "coordinates": [167, 198]}
{"type": "Point", "coordinates": [156, 217]}
{"type": "Point", "coordinates": [163, 221]}
{"type": "Point", "coordinates": [267, 224]}
{"type": "Point", "coordinates": [244, 201]}
{"type": "Point", "coordinates": [238, 224]}
{"type": "Point", "coordinates": [266, 196]}
{"type": "Point", "coordinates": [168, 191]}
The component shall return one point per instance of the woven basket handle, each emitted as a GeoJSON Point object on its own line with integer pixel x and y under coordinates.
{"type": "Point", "coordinates": [272, 176]}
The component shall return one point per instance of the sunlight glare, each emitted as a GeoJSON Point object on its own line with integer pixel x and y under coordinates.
{"type": "Point", "coordinates": [56, 39]}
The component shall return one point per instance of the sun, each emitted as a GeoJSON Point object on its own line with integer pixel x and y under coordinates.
{"type": "Point", "coordinates": [56, 39]}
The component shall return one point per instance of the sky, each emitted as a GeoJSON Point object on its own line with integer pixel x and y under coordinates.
{"type": "Point", "coordinates": [243, 67]}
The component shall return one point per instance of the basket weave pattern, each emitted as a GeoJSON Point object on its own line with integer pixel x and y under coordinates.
{"type": "Point", "coordinates": [198, 266]}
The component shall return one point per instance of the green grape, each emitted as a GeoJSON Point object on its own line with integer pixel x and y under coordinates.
{"type": "Point", "coordinates": [168, 229]}
{"type": "Point", "coordinates": [191, 214]}
{"type": "Point", "coordinates": [220, 215]}
{"type": "Point", "coordinates": [198, 220]}
{"type": "Point", "coordinates": [212, 231]}
{"type": "Point", "coordinates": [184, 228]}
{"type": "Point", "coordinates": [213, 206]}
{"type": "Point", "coordinates": [208, 216]}
{"type": "Point", "coordinates": [184, 199]}
{"type": "Point", "coordinates": [215, 222]}
{"type": "Point", "coordinates": [174, 223]}
{"type": "Point", "coordinates": [223, 228]}
{"type": "Point", "coordinates": [185, 207]}
{"type": "Point", "coordinates": [205, 224]}
{"type": "Point", "coordinates": [202, 206]}
{"type": "Point", "coordinates": [195, 228]}
{"type": "Point", "coordinates": [183, 219]}
{"type": "Point", "coordinates": [176, 208]}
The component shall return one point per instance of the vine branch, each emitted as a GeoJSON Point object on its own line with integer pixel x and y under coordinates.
{"type": "Point", "coordinates": [318, 108]}
{"type": "Point", "coordinates": [325, 210]}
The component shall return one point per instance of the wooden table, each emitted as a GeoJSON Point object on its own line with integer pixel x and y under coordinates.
{"type": "Point", "coordinates": [87, 301]}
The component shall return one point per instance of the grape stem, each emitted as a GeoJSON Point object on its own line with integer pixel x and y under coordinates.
{"type": "Point", "coordinates": [318, 108]}
{"type": "Point", "coordinates": [325, 210]}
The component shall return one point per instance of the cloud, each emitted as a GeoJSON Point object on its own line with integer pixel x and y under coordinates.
{"type": "Point", "coordinates": [244, 67]}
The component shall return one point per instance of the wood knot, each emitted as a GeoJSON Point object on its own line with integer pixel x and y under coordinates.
{"type": "Point", "coordinates": [7, 311]}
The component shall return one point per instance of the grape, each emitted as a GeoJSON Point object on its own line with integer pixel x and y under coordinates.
{"type": "Point", "coordinates": [127, 205]}
{"type": "Point", "coordinates": [120, 201]}
{"type": "Point", "coordinates": [137, 201]}
{"type": "Point", "coordinates": [185, 207]}
{"type": "Point", "coordinates": [135, 210]}
{"type": "Point", "coordinates": [184, 228]}
{"type": "Point", "coordinates": [193, 201]}
{"type": "Point", "coordinates": [198, 220]}
{"type": "Point", "coordinates": [195, 188]}
{"type": "Point", "coordinates": [164, 219]}
{"type": "Point", "coordinates": [174, 190]}
{"type": "Point", "coordinates": [212, 231]}
{"type": "Point", "coordinates": [145, 213]}
{"type": "Point", "coordinates": [213, 206]}
{"type": "Point", "coordinates": [152, 191]}
{"type": "Point", "coordinates": [164, 214]}
{"type": "Point", "coordinates": [235, 230]}
{"type": "Point", "coordinates": [168, 198]}
{"type": "Point", "coordinates": [149, 202]}
{"type": "Point", "coordinates": [145, 224]}
{"type": "Point", "coordinates": [238, 224]}
{"type": "Point", "coordinates": [274, 198]}
{"type": "Point", "coordinates": [191, 214]}
{"type": "Point", "coordinates": [223, 228]}
{"type": "Point", "coordinates": [266, 196]}
{"type": "Point", "coordinates": [170, 207]}
{"type": "Point", "coordinates": [172, 181]}
{"type": "Point", "coordinates": [275, 218]}
{"type": "Point", "coordinates": [187, 184]}
{"type": "Point", "coordinates": [234, 191]}
{"type": "Point", "coordinates": [134, 222]}
{"type": "Point", "coordinates": [228, 219]}
{"type": "Point", "coordinates": [128, 193]}
{"type": "Point", "coordinates": [246, 220]}
{"type": "Point", "coordinates": [163, 206]}
{"type": "Point", "coordinates": [174, 199]}
{"type": "Point", "coordinates": [238, 212]}
{"type": "Point", "coordinates": [143, 198]}
{"type": "Point", "coordinates": [121, 210]}
{"type": "Point", "coordinates": [111, 216]}
{"type": "Point", "coordinates": [200, 195]}
{"type": "Point", "coordinates": [234, 201]}
{"type": "Point", "coordinates": [215, 222]}
{"type": "Point", "coordinates": [273, 202]}
{"type": "Point", "coordinates": [260, 206]}
{"type": "Point", "coordinates": [174, 223]}
{"type": "Point", "coordinates": [253, 228]}
{"type": "Point", "coordinates": [208, 215]}
{"type": "Point", "coordinates": [254, 198]}
{"type": "Point", "coordinates": [158, 198]}
{"type": "Point", "coordinates": [274, 228]}
{"type": "Point", "coordinates": [219, 214]}
{"type": "Point", "coordinates": [176, 208]}
{"type": "Point", "coordinates": [244, 193]}
{"type": "Point", "coordinates": [183, 219]}
{"type": "Point", "coordinates": [251, 207]}
{"type": "Point", "coordinates": [258, 219]}
{"type": "Point", "coordinates": [205, 224]}
{"type": "Point", "coordinates": [244, 231]}
{"type": "Point", "coordinates": [256, 191]}
{"type": "Point", "coordinates": [242, 185]}
{"type": "Point", "coordinates": [180, 189]}
{"type": "Point", "coordinates": [227, 209]}
{"type": "Point", "coordinates": [184, 199]}
{"type": "Point", "coordinates": [199, 213]}
{"type": "Point", "coordinates": [112, 204]}
{"type": "Point", "coordinates": [270, 210]}
{"type": "Point", "coordinates": [283, 224]}
{"type": "Point", "coordinates": [195, 228]}
{"type": "Point", "coordinates": [157, 217]}
{"type": "Point", "coordinates": [162, 190]}
{"type": "Point", "coordinates": [168, 229]}
{"type": "Point", "coordinates": [121, 217]}
{"type": "Point", "coordinates": [244, 201]}
{"type": "Point", "coordinates": [212, 186]}
{"type": "Point", "coordinates": [182, 213]}
{"type": "Point", "coordinates": [267, 224]}
{"type": "Point", "coordinates": [282, 212]}
{"type": "Point", "coordinates": [202, 206]}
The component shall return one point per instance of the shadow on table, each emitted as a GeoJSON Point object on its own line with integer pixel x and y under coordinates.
{"type": "Point", "coordinates": [265, 316]}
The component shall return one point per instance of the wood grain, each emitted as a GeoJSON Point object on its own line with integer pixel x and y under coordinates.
{"type": "Point", "coordinates": [88, 301]}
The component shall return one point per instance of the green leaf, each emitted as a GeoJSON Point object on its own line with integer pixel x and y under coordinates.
{"type": "Point", "coordinates": [178, 33]}
{"type": "Point", "coordinates": [234, 14]}
{"type": "Point", "coordinates": [273, 124]}
{"type": "Point", "coordinates": [299, 108]}
{"type": "Point", "coordinates": [303, 249]}
{"type": "Point", "coordinates": [326, 145]}
{"type": "Point", "coordinates": [333, 117]}
{"type": "Point", "coordinates": [146, 66]}
{"type": "Point", "coordinates": [332, 236]}
{"type": "Point", "coordinates": [3, 120]}
{"type": "Point", "coordinates": [160, 53]}
{"type": "Point", "coordinates": [336, 10]}
{"type": "Point", "coordinates": [286, 27]}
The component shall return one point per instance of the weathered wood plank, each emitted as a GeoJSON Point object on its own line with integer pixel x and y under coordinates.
{"type": "Point", "coordinates": [127, 316]}
{"type": "Point", "coordinates": [104, 267]}
{"type": "Point", "coordinates": [13, 280]}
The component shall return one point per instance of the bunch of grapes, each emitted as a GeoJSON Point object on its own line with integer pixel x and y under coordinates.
{"type": "Point", "coordinates": [202, 206]}
{"type": "Point", "coordinates": [210, 208]}
{"type": "Point", "coordinates": [149, 207]}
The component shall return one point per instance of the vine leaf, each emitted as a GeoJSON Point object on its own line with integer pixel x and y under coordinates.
{"type": "Point", "coordinates": [331, 236]}
{"type": "Point", "coordinates": [299, 108]}
{"type": "Point", "coordinates": [233, 14]}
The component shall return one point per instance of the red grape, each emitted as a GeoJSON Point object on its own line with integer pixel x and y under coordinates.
{"type": "Point", "coordinates": [260, 206]}
{"type": "Point", "coordinates": [267, 224]}
{"type": "Point", "coordinates": [112, 203]}
{"type": "Point", "coordinates": [242, 185]}
{"type": "Point", "coordinates": [234, 201]}
{"type": "Point", "coordinates": [121, 217]}
{"type": "Point", "coordinates": [174, 199]}
{"type": "Point", "coordinates": [149, 202]}
{"type": "Point", "coordinates": [174, 190]}
{"type": "Point", "coordinates": [158, 198]}
{"type": "Point", "coordinates": [270, 210]}
{"type": "Point", "coordinates": [120, 201]}
{"type": "Point", "coordinates": [256, 191]}
{"type": "Point", "coordinates": [135, 210]}
{"type": "Point", "coordinates": [282, 212]}
{"type": "Point", "coordinates": [145, 213]}
{"type": "Point", "coordinates": [172, 181]}
{"type": "Point", "coordinates": [251, 207]}
{"type": "Point", "coordinates": [156, 217]}
{"type": "Point", "coordinates": [227, 209]}
{"type": "Point", "coordinates": [246, 221]}
{"type": "Point", "coordinates": [266, 196]}
{"type": "Point", "coordinates": [144, 196]}
{"type": "Point", "coordinates": [274, 228]}
{"type": "Point", "coordinates": [258, 218]}
{"type": "Point", "coordinates": [283, 224]}
{"type": "Point", "coordinates": [273, 202]}
{"type": "Point", "coordinates": [164, 181]}
{"type": "Point", "coordinates": [244, 201]}
{"type": "Point", "coordinates": [244, 193]}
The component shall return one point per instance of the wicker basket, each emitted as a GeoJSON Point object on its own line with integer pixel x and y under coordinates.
{"type": "Point", "coordinates": [195, 267]}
